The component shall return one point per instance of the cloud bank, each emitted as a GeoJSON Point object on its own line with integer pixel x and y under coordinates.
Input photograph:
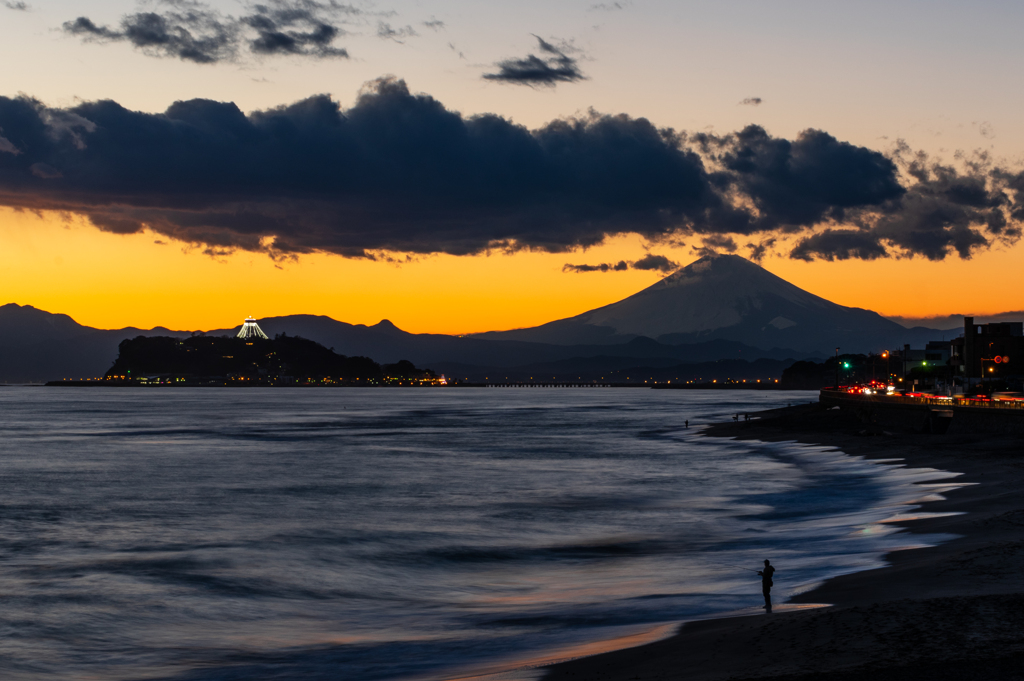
{"type": "Point", "coordinates": [193, 31]}
{"type": "Point", "coordinates": [398, 172]}
{"type": "Point", "coordinates": [956, 321]}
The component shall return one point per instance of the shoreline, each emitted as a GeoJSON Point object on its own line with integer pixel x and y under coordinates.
{"type": "Point", "coordinates": [951, 611]}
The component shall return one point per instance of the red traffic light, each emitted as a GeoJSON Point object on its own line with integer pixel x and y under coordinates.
{"type": "Point", "coordinates": [997, 359]}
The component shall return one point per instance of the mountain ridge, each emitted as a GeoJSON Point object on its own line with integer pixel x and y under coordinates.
{"type": "Point", "coordinates": [728, 297]}
{"type": "Point", "coordinates": [72, 350]}
{"type": "Point", "coordinates": [721, 307]}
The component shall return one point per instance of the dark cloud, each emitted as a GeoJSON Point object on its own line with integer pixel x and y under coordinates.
{"type": "Point", "coordinates": [45, 171]}
{"type": "Point", "coordinates": [84, 27]}
{"type": "Point", "coordinates": [944, 210]}
{"type": "Point", "coordinates": [648, 262]}
{"type": "Point", "coordinates": [620, 266]}
{"type": "Point", "coordinates": [399, 173]}
{"type": "Point", "coordinates": [751, 101]}
{"type": "Point", "coordinates": [609, 6]}
{"type": "Point", "coordinates": [19, 6]}
{"type": "Point", "coordinates": [434, 24]}
{"type": "Point", "coordinates": [456, 50]}
{"type": "Point", "coordinates": [395, 172]}
{"type": "Point", "coordinates": [760, 250]}
{"type": "Point", "coordinates": [720, 242]}
{"type": "Point", "coordinates": [555, 66]}
{"type": "Point", "coordinates": [715, 243]}
{"type": "Point", "coordinates": [803, 182]}
{"type": "Point", "coordinates": [299, 27]}
{"type": "Point", "coordinates": [655, 262]}
{"type": "Point", "coordinates": [840, 244]}
{"type": "Point", "coordinates": [386, 32]}
{"type": "Point", "coordinates": [195, 35]}
{"type": "Point", "coordinates": [7, 147]}
{"type": "Point", "coordinates": [193, 31]}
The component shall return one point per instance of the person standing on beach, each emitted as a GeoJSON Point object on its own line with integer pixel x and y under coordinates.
{"type": "Point", "coordinates": [766, 584]}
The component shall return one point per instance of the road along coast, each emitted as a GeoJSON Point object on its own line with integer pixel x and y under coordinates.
{"type": "Point", "coordinates": [954, 611]}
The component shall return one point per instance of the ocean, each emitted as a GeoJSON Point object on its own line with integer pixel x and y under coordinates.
{"type": "Point", "coordinates": [185, 534]}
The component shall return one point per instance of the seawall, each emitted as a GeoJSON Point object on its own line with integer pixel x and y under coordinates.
{"type": "Point", "coordinates": [930, 415]}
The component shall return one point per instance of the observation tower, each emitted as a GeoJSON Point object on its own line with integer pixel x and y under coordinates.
{"type": "Point", "coordinates": [250, 330]}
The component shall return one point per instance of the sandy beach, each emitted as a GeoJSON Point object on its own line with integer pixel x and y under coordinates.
{"type": "Point", "coordinates": [954, 611]}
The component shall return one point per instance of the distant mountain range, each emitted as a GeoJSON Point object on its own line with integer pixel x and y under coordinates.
{"type": "Point", "coordinates": [726, 297]}
{"type": "Point", "coordinates": [39, 346]}
{"type": "Point", "coordinates": [711, 319]}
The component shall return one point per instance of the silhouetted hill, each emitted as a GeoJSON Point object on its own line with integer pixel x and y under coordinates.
{"type": "Point", "coordinates": [252, 360]}
{"type": "Point", "coordinates": [38, 346]}
{"type": "Point", "coordinates": [387, 343]}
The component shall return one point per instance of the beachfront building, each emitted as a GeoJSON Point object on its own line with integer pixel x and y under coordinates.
{"type": "Point", "coordinates": [934, 354]}
{"type": "Point", "coordinates": [926, 368]}
{"type": "Point", "coordinates": [989, 352]}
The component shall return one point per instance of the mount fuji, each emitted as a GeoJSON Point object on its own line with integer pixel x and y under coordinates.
{"type": "Point", "coordinates": [727, 297]}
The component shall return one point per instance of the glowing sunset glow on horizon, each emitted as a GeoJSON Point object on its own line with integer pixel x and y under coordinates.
{"type": "Point", "coordinates": [118, 281]}
{"type": "Point", "coordinates": [455, 61]}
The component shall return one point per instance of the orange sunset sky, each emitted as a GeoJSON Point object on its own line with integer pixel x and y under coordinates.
{"type": "Point", "coordinates": [935, 75]}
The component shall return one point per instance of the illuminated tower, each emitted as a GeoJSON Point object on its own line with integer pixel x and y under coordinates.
{"type": "Point", "coordinates": [250, 330]}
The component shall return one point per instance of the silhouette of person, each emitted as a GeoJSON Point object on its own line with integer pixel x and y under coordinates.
{"type": "Point", "coordinates": [766, 584]}
{"type": "Point", "coordinates": [687, 422]}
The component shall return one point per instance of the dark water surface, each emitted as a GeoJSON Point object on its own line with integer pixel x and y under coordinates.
{"type": "Point", "coordinates": [379, 534]}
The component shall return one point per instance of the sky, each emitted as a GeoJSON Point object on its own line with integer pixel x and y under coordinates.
{"type": "Point", "coordinates": [458, 167]}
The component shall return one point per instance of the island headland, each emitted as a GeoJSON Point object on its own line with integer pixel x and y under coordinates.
{"type": "Point", "coordinates": [952, 611]}
{"type": "Point", "coordinates": [254, 361]}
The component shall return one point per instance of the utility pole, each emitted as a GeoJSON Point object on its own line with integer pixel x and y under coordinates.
{"type": "Point", "coordinates": [991, 359]}
{"type": "Point", "coordinates": [906, 355]}
{"type": "Point", "coordinates": [837, 368]}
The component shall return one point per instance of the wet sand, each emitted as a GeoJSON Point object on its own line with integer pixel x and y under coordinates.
{"type": "Point", "coordinates": [954, 611]}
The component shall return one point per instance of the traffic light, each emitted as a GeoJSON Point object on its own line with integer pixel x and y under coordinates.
{"type": "Point", "coordinates": [846, 365]}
